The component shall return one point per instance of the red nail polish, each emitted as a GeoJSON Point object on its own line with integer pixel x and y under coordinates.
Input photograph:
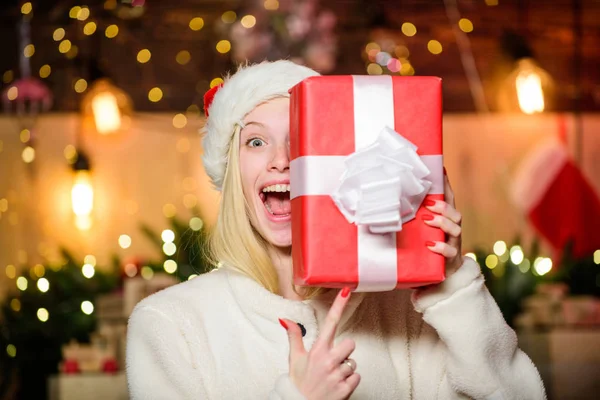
{"type": "Point", "coordinates": [445, 173]}
{"type": "Point", "coordinates": [429, 203]}
{"type": "Point", "coordinates": [345, 292]}
{"type": "Point", "coordinates": [429, 243]}
{"type": "Point", "coordinates": [427, 217]}
{"type": "Point", "coordinates": [283, 323]}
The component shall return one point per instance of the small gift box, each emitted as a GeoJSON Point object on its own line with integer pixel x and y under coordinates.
{"type": "Point", "coordinates": [366, 152]}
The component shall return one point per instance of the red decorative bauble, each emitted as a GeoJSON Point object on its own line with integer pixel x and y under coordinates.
{"type": "Point", "coordinates": [110, 366]}
{"type": "Point", "coordinates": [71, 367]}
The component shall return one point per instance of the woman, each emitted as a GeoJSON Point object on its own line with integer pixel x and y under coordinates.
{"type": "Point", "coordinates": [220, 335]}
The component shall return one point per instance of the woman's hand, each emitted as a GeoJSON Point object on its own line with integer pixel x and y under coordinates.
{"type": "Point", "coordinates": [324, 372]}
{"type": "Point", "coordinates": [448, 219]}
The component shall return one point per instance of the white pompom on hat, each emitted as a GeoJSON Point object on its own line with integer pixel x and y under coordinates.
{"type": "Point", "coordinates": [249, 87]}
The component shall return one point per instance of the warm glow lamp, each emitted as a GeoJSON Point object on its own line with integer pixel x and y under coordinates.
{"type": "Point", "coordinates": [82, 193]}
{"type": "Point", "coordinates": [106, 108]}
{"type": "Point", "coordinates": [528, 87]}
{"type": "Point", "coordinates": [530, 80]}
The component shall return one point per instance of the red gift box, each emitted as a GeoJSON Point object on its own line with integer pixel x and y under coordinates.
{"type": "Point", "coordinates": [331, 117]}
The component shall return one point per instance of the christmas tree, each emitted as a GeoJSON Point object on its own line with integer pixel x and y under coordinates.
{"type": "Point", "coordinates": [53, 304]}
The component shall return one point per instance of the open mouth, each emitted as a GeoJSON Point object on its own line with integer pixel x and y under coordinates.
{"type": "Point", "coordinates": [276, 199]}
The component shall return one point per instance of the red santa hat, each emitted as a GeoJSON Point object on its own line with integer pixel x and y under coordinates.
{"type": "Point", "coordinates": [226, 106]}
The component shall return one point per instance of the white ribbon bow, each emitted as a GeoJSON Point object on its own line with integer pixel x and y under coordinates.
{"type": "Point", "coordinates": [383, 186]}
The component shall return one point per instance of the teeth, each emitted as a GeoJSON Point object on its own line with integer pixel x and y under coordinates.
{"type": "Point", "coordinates": [277, 188]}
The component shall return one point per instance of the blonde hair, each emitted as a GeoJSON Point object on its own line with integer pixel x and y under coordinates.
{"type": "Point", "coordinates": [234, 241]}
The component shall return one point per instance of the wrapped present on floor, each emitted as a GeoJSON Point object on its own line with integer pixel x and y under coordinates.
{"type": "Point", "coordinates": [366, 152]}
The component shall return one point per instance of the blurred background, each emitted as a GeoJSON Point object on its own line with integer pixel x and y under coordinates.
{"type": "Point", "coordinates": [103, 198]}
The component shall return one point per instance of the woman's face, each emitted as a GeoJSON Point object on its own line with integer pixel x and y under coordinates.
{"type": "Point", "coordinates": [265, 170]}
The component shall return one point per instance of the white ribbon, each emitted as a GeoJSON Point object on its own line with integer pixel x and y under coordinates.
{"type": "Point", "coordinates": [383, 186]}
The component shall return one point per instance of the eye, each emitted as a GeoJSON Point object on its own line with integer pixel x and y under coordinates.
{"type": "Point", "coordinates": [255, 142]}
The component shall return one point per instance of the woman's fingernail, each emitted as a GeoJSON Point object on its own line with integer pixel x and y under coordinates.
{"type": "Point", "coordinates": [427, 217]}
{"type": "Point", "coordinates": [283, 323]}
{"type": "Point", "coordinates": [429, 243]}
{"type": "Point", "coordinates": [445, 173]}
{"type": "Point", "coordinates": [345, 292]}
{"type": "Point", "coordinates": [430, 203]}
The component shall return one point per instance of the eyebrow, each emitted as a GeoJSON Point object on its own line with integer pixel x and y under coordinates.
{"type": "Point", "coordinates": [259, 124]}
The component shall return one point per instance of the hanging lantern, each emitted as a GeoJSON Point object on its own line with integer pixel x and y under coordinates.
{"type": "Point", "coordinates": [106, 108]}
{"type": "Point", "coordinates": [527, 88]}
{"type": "Point", "coordinates": [82, 193]}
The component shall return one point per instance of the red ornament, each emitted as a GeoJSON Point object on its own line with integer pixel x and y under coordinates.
{"type": "Point", "coordinates": [71, 367]}
{"type": "Point", "coordinates": [209, 97]}
{"type": "Point", "coordinates": [110, 366]}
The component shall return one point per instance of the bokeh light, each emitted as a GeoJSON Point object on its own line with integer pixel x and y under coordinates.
{"type": "Point", "coordinates": [28, 154]}
{"type": "Point", "coordinates": [90, 259]}
{"type": "Point", "coordinates": [58, 35]}
{"type": "Point", "coordinates": [271, 5]}
{"type": "Point", "coordinates": [12, 93]}
{"type": "Point", "coordinates": [26, 8]}
{"type": "Point", "coordinates": [155, 95]}
{"type": "Point", "coordinates": [43, 314]}
{"type": "Point", "coordinates": [183, 57]}
{"type": "Point", "coordinates": [465, 25]}
{"type": "Point", "coordinates": [111, 31]}
{"type": "Point", "coordinates": [196, 24]}
{"type": "Point", "coordinates": [170, 266]}
{"type": "Point", "coordinates": [409, 29]}
{"type": "Point", "coordinates": [144, 56]}
{"type": "Point", "coordinates": [87, 307]}
{"type": "Point", "coordinates": [45, 71]}
{"type": "Point", "coordinates": [64, 46]}
{"type": "Point", "coordinates": [196, 224]}
{"type": "Point", "coordinates": [11, 271]}
{"type": "Point", "coordinates": [374, 69]}
{"type": "Point", "coordinates": [248, 21]}
{"type": "Point", "coordinates": [499, 248]}
{"type": "Point", "coordinates": [434, 47]}
{"type": "Point", "coordinates": [491, 261]}
{"type": "Point", "coordinates": [147, 272]}
{"type": "Point", "coordinates": [179, 121]}
{"type": "Point", "coordinates": [43, 285]}
{"type": "Point", "coordinates": [542, 265]}
{"type": "Point", "coordinates": [169, 248]}
{"type": "Point", "coordinates": [516, 255]}
{"type": "Point", "coordinates": [215, 82]}
{"type": "Point", "coordinates": [22, 283]}
{"type": "Point", "coordinates": [228, 17]}
{"type": "Point", "coordinates": [223, 46]}
{"type": "Point", "coordinates": [169, 210]}
{"type": "Point", "coordinates": [29, 50]}
{"type": "Point", "coordinates": [124, 241]}
{"type": "Point", "coordinates": [80, 85]}
{"type": "Point", "coordinates": [90, 28]}
{"type": "Point", "coordinates": [88, 270]}
{"type": "Point", "coordinates": [167, 236]}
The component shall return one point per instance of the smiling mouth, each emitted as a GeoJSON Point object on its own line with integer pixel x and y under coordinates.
{"type": "Point", "coordinates": [276, 199]}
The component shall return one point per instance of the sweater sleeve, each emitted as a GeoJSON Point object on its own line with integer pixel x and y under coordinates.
{"type": "Point", "coordinates": [483, 360]}
{"type": "Point", "coordinates": [159, 363]}
{"type": "Point", "coordinates": [285, 390]}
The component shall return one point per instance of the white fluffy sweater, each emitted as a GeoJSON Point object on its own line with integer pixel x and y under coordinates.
{"type": "Point", "coordinates": [218, 337]}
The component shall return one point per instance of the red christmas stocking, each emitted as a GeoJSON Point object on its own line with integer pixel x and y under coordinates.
{"type": "Point", "coordinates": [558, 200]}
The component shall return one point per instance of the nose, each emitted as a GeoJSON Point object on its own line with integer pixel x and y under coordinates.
{"type": "Point", "coordinates": [280, 160]}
